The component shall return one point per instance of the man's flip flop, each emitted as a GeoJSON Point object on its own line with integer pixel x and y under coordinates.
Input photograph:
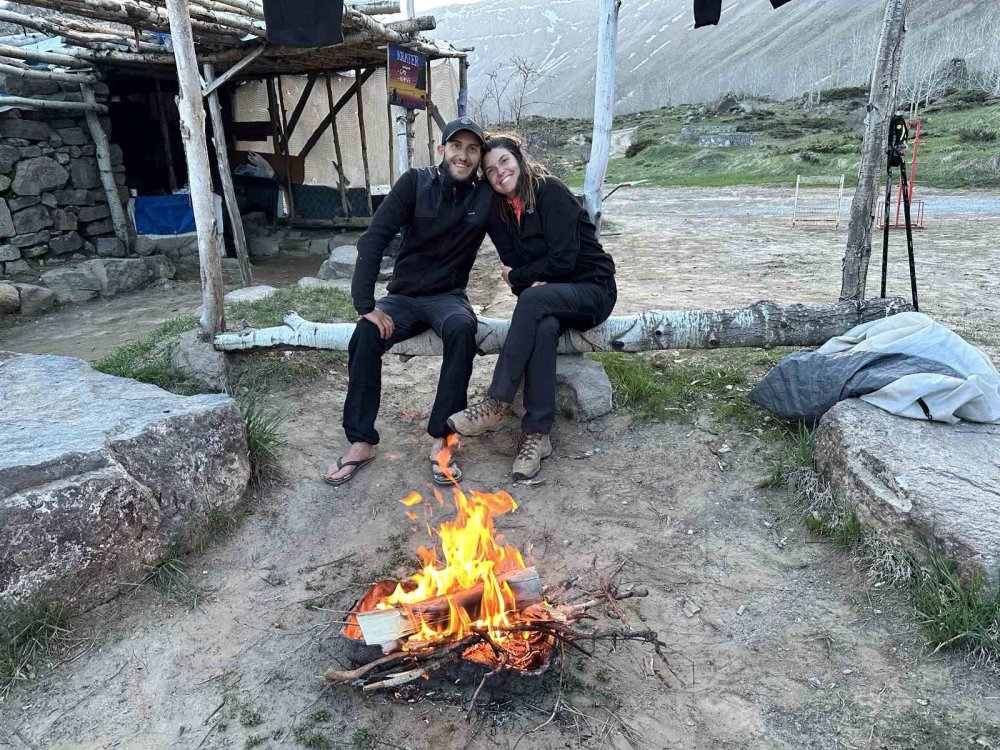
{"type": "Point", "coordinates": [439, 476]}
{"type": "Point", "coordinates": [341, 463]}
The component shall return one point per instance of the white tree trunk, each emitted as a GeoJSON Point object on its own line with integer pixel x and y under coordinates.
{"type": "Point", "coordinates": [604, 108]}
{"type": "Point", "coordinates": [881, 102]}
{"type": "Point", "coordinates": [102, 151]}
{"type": "Point", "coordinates": [764, 324]}
{"type": "Point", "coordinates": [192, 115]}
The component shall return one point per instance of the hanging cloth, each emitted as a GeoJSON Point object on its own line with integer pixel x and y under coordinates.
{"type": "Point", "coordinates": [304, 23]}
{"type": "Point", "coordinates": [707, 12]}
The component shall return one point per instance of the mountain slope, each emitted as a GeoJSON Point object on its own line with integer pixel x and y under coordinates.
{"type": "Point", "coordinates": [662, 59]}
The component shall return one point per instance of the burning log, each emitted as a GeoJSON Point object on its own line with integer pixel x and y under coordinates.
{"type": "Point", "coordinates": [384, 626]}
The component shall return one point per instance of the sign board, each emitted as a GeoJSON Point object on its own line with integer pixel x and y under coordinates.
{"type": "Point", "coordinates": [407, 78]}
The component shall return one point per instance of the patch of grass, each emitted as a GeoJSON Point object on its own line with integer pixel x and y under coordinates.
{"type": "Point", "coordinates": [363, 739]}
{"type": "Point", "coordinates": [250, 717]}
{"type": "Point", "coordinates": [171, 578]}
{"type": "Point", "coordinates": [957, 613]}
{"type": "Point", "coordinates": [320, 716]}
{"type": "Point", "coordinates": [254, 740]}
{"type": "Point", "coordinates": [148, 360]}
{"type": "Point", "coordinates": [307, 738]}
{"type": "Point", "coordinates": [265, 437]}
{"type": "Point", "coordinates": [398, 554]}
{"type": "Point", "coordinates": [28, 633]}
{"type": "Point", "coordinates": [318, 304]}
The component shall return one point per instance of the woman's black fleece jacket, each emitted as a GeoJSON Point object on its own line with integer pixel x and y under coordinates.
{"type": "Point", "coordinates": [443, 224]}
{"type": "Point", "coordinates": [557, 242]}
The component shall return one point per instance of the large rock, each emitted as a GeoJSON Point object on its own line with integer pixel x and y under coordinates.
{"type": "Point", "coordinates": [93, 213]}
{"type": "Point", "coordinates": [35, 176]}
{"type": "Point", "coordinates": [101, 476]}
{"type": "Point", "coordinates": [35, 299]}
{"type": "Point", "coordinates": [125, 275]}
{"type": "Point", "coordinates": [264, 246]}
{"type": "Point", "coordinates": [72, 197]}
{"type": "Point", "coordinates": [73, 136]}
{"type": "Point", "coordinates": [32, 219]}
{"type": "Point", "coordinates": [8, 157]}
{"type": "Point", "coordinates": [161, 266]}
{"type": "Point", "coordinates": [174, 246]}
{"type": "Point", "coordinates": [202, 362]}
{"type": "Point", "coordinates": [96, 228]}
{"type": "Point", "coordinates": [63, 220]}
{"type": "Point", "coordinates": [340, 264]}
{"type": "Point", "coordinates": [6, 221]}
{"type": "Point", "coordinates": [110, 247]}
{"type": "Point", "coordinates": [84, 174]}
{"type": "Point", "coordinates": [33, 238]}
{"type": "Point", "coordinates": [250, 293]}
{"type": "Point", "coordinates": [583, 391]}
{"type": "Point", "coordinates": [29, 130]}
{"type": "Point", "coordinates": [76, 283]}
{"type": "Point", "coordinates": [66, 243]}
{"type": "Point", "coordinates": [9, 252]}
{"type": "Point", "coordinates": [913, 479]}
{"type": "Point", "coordinates": [10, 300]}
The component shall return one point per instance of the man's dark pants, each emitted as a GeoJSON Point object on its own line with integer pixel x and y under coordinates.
{"type": "Point", "coordinates": [542, 313]}
{"type": "Point", "coordinates": [450, 316]}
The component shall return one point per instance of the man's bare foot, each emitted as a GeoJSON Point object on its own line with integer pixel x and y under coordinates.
{"type": "Point", "coordinates": [357, 452]}
{"type": "Point", "coordinates": [437, 473]}
{"type": "Point", "coordinates": [437, 446]}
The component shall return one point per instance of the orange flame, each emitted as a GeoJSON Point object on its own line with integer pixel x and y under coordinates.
{"type": "Point", "coordinates": [473, 557]}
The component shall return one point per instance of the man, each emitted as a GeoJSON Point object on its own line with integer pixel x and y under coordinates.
{"type": "Point", "coordinates": [442, 211]}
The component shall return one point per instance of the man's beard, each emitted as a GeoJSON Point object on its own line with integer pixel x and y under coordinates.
{"type": "Point", "coordinates": [456, 178]}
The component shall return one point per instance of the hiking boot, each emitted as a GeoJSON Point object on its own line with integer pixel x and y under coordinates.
{"type": "Point", "coordinates": [479, 418]}
{"type": "Point", "coordinates": [531, 449]}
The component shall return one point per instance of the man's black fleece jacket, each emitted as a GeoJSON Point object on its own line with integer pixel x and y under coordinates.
{"type": "Point", "coordinates": [443, 224]}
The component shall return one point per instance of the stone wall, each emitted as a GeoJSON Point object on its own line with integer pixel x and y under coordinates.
{"type": "Point", "coordinates": [53, 209]}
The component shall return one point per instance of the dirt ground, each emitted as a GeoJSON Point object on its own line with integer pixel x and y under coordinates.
{"type": "Point", "coordinates": [790, 649]}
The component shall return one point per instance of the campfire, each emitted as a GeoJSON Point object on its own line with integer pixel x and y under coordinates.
{"type": "Point", "coordinates": [475, 602]}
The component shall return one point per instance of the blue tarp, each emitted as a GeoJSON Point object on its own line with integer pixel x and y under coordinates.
{"type": "Point", "coordinates": [163, 214]}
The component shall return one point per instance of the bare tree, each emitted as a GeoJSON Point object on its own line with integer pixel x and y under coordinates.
{"type": "Point", "coordinates": [524, 75]}
{"type": "Point", "coordinates": [985, 57]}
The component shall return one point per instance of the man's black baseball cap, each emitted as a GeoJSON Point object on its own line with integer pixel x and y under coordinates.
{"type": "Point", "coordinates": [463, 123]}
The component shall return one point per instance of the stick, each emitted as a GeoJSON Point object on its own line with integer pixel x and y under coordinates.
{"type": "Point", "coordinates": [103, 153]}
{"type": "Point", "coordinates": [499, 668]}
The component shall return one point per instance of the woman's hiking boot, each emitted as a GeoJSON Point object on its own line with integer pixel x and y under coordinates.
{"type": "Point", "coordinates": [531, 449]}
{"type": "Point", "coordinates": [479, 418]}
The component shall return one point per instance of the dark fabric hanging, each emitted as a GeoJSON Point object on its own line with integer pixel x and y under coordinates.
{"type": "Point", "coordinates": [707, 12]}
{"type": "Point", "coordinates": [304, 23]}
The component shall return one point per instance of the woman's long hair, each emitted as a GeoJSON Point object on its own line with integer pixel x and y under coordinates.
{"type": "Point", "coordinates": [527, 181]}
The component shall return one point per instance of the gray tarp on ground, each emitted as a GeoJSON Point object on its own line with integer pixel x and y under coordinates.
{"type": "Point", "coordinates": [907, 364]}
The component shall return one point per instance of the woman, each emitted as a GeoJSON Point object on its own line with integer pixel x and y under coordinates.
{"type": "Point", "coordinates": [563, 279]}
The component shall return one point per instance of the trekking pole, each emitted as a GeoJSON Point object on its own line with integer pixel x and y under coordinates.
{"type": "Point", "coordinates": [885, 223]}
{"type": "Point", "coordinates": [909, 234]}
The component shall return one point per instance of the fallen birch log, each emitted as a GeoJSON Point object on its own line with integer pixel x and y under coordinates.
{"type": "Point", "coordinates": [763, 324]}
{"type": "Point", "coordinates": [380, 626]}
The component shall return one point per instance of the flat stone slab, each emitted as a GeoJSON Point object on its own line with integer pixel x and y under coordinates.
{"type": "Point", "coordinates": [100, 475]}
{"type": "Point", "coordinates": [913, 479]}
{"type": "Point", "coordinates": [583, 391]}
{"type": "Point", "coordinates": [250, 293]}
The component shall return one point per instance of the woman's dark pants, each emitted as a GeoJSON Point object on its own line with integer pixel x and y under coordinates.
{"type": "Point", "coordinates": [529, 353]}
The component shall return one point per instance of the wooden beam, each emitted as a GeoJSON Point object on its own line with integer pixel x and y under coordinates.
{"type": "Point", "coordinates": [103, 154]}
{"type": "Point", "coordinates": [364, 139]}
{"type": "Point", "coordinates": [339, 164]}
{"type": "Point", "coordinates": [393, 172]}
{"type": "Point", "coordinates": [413, 25]}
{"type": "Point", "coordinates": [285, 136]}
{"type": "Point", "coordinates": [429, 108]}
{"type": "Point", "coordinates": [27, 102]}
{"type": "Point", "coordinates": [168, 152]}
{"type": "Point", "coordinates": [300, 106]}
{"type": "Point", "coordinates": [47, 75]}
{"type": "Point", "coordinates": [232, 71]}
{"type": "Point", "coordinates": [463, 85]}
{"type": "Point", "coordinates": [604, 109]}
{"type": "Point", "coordinates": [32, 55]}
{"type": "Point", "coordinates": [226, 178]}
{"type": "Point", "coordinates": [346, 97]}
{"type": "Point", "coordinates": [192, 115]}
{"type": "Point", "coordinates": [881, 105]}
{"type": "Point", "coordinates": [381, 8]}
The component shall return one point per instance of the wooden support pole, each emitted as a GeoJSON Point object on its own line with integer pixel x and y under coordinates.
{"type": "Point", "coordinates": [364, 139]}
{"type": "Point", "coordinates": [428, 112]}
{"type": "Point", "coordinates": [377, 8]}
{"type": "Point", "coordinates": [393, 170]}
{"type": "Point", "coordinates": [300, 106]}
{"type": "Point", "coordinates": [224, 78]}
{"type": "Point", "coordinates": [881, 104]}
{"type": "Point", "coordinates": [339, 165]}
{"type": "Point", "coordinates": [463, 85]}
{"type": "Point", "coordinates": [51, 58]}
{"type": "Point", "coordinates": [103, 154]}
{"type": "Point", "coordinates": [341, 102]}
{"type": "Point", "coordinates": [192, 118]}
{"type": "Point", "coordinates": [285, 137]}
{"type": "Point", "coordinates": [604, 108]}
{"type": "Point", "coordinates": [168, 152]}
{"type": "Point", "coordinates": [226, 178]}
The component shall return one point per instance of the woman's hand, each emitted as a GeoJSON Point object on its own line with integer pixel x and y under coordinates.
{"type": "Point", "coordinates": [539, 283]}
{"type": "Point", "coordinates": [504, 273]}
